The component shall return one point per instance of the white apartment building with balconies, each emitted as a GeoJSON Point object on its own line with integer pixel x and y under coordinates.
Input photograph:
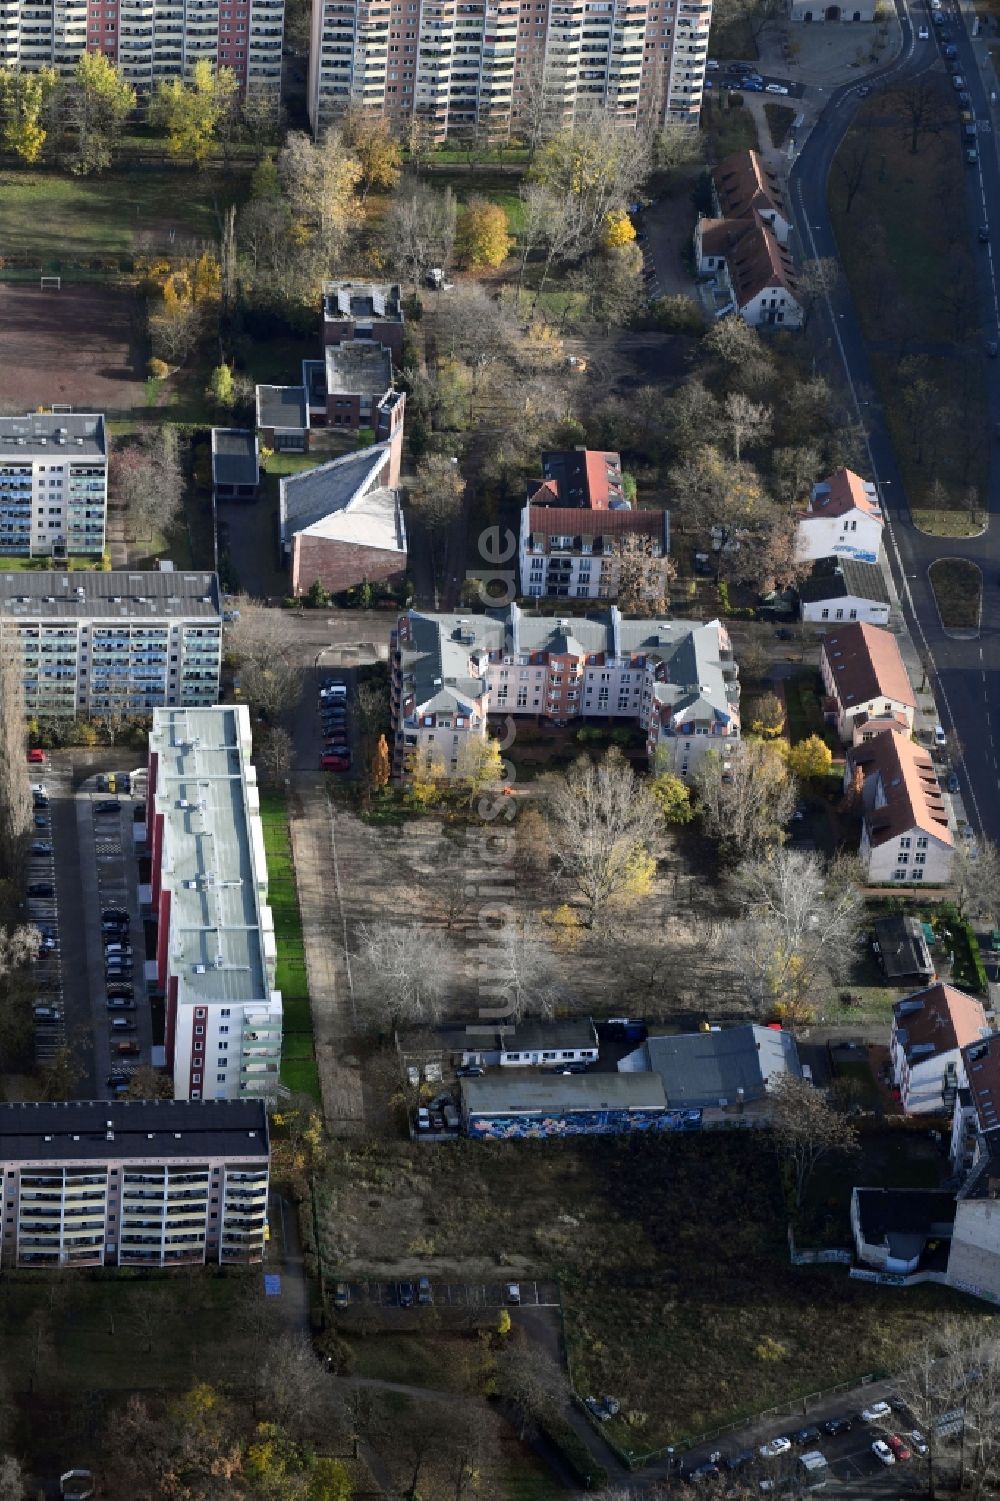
{"type": "Point", "coordinates": [53, 485]}
{"type": "Point", "coordinates": [474, 68]}
{"type": "Point", "coordinates": [216, 958]}
{"type": "Point", "coordinates": [138, 1183]}
{"type": "Point", "coordinates": [121, 644]}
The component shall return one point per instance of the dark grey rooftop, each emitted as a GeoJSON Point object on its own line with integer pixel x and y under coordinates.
{"type": "Point", "coordinates": [904, 1218]}
{"type": "Point", "coordinates": [282, 406]}
{"type": "Point", "coordinates": [234, 456]}
{"type": "Point", "coordinates": [536, 1036]}
{"type": "Point", "coordinates": [379, 301]}
{"type": "Point", "coordinates": [358, 369]}
{"type": "Point", "coordinates": [903, 947]}
{"type": "Point", "coordinates": [313, 494]}
{"type": "Point", "coordinates": [140, 1128]}
{"type": "Point", "coordinates": [842, 577]}
{"type": "Point", "coordinates": [56, 435]}
{"type": "Point", "coordinates": [713, 1070]}
{"type": "Point", "coordinates": [541, 1094]}
{"type": "Point", "coordinates": [122, 595]}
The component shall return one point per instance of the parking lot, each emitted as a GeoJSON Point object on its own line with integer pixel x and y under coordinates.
{"type": "Point", "coordinates": [470, 1295]}
{"type": "Point", "coordinates": [83, 865]}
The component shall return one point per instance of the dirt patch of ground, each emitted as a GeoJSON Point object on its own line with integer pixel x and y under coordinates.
{"type": "Point", "coordinates": [958, 592]}
{"type": "Point", "coordinates": [77, 346]}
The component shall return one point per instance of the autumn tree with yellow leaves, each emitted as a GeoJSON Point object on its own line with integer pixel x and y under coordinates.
{"type": "Point", "coordinates": [618, 229]}
{"type": "Point", "coordinates": [89, 109]}
{"type": "Point", "coordinates": [378, 151]}
{"type": "Point", "coordinates": [192, 112]}
{"type": "Point", "coordinates": [23, 98]}
{"type": "Point", "coordinates": [483, 238]}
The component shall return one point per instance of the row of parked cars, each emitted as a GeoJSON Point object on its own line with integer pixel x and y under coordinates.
{"type": "Point", "coordinates": [119, 951]}
{"type": "Point", "coordinates": [336, 752]}
{"type": "Point", "coordinates": [48, 1017]}
{"type": "Point", "coordinates": [888, 1449]}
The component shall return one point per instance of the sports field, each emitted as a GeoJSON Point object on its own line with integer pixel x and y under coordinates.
{"type": "Point", "coordinates": [78, 346]}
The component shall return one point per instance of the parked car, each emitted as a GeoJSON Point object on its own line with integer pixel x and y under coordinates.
{"type": "Point", "coordinates": [953, 784]}
{"type": "Point", "coordinates": [119, 1003]}
{"type": "Point", "coordinates": [39, 800]}
{"type": "Point", "coordinates": [119, 992]}
{"type": "Point", "coordinates": [127, 1049]}
{"type": "Point", "coordinates": [923, 34]}
{"type": "Point", "coordinates": [807, 1435]}
{"type": "Point", "coordinates": [706, 1471]}
{"type": "Point", "coordinates": [423, 1119]}
{"type": "Point", "coordinates": [776, 88]}
{"type": "Point", "coordinates": [940, 738]}
{"type": "Point", "coordinates": [108, 914]}
{"type": "Point", "coordinates": [118, 1082]}
{"type": "Point", "coordinates": [424, 1294]}
{"type": "Point", "coordinates": [39, 847]}
{"type": "Point", "coordinates": [918, 1443]}
{"type": "Point", "coordinates": [882, 1452]}
{"type": "Point", "coordinates": [876, 1412]}
{"type": "Point", "coordinates": [775, 1446]}
{"type": "Point", "coordinates": [330, 761]}
{"type": "Point", "coordinates": [42, 822]}
{"type": "Point", "coordinates": [512, 1292]}
{"type": "Point", "coordinates": [899, 1449]}
{"type": "Point", "coordinates": [836, 1426]}
{"type": "Point", "coordinates": [36, 757]}
{"type": "Point", "coordinates": [342, 1295]}
{"type": "Point", "coordinates": [737, 1461]}
{"type": "Point", "coordinates": [46, 1013]}
{"type": "Point", "coordinates": [404, 1292]}
{"type": "Point", "coordinates": [110, 805]}
{"type": "Point", "coordinates": [41, 888]}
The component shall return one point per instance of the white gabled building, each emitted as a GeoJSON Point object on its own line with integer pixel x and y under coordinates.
{"type": "Point", "coordinates": [905, 834]}
{"type": "Point", "coordinates": [929, 1030]}
{"type": "Point", "coordinates": [844, 520]}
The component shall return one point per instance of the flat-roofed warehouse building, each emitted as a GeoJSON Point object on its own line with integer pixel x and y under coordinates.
{"type": "Point", "coordinates": [133, 1182]}
{"type": "Point", "coordinates": [216, 959]}
{"type": "Point", "coordinates": [121, 643]}
{"type": "Point", "coordinates": [506, 1106]}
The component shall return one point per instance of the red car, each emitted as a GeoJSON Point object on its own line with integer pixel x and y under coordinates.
{"type": "Point", "coordinates": [898, 1448]}
{"type": "Point", "coordinates": [332, 761]}
{"type": "Point", "coordinates": [36, 758]}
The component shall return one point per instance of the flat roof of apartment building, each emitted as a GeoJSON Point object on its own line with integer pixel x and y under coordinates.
{"type": "Point", "coordinates": [122, 595]}
{"type": "Point", "coordinates": [95, 1130]}
{"type": "Point", "coordinates": [358, 369]}
{"type": "Point", "coordinates": [53, 435]}
{"type": "Point", "coordinates": [213, 864]}
{"type": "Point", "coordinates": [379, 301]}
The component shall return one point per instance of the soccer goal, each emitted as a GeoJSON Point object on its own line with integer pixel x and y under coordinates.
{"type": "Point", "coordinates": [50, 283]}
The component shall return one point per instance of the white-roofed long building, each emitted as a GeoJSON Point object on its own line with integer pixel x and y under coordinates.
{"type": "Point", "coordinates": [215, 958]}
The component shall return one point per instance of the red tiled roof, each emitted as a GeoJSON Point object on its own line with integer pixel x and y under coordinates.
{"type": "Point", "coordinates": [758, 261]}
{"type": "Point", "coordinates": [982, 1067]}
{"type": "Point", "coordinates": [865, 662]}
{"type": "Point", "coordinates": [912, 791]}
{"type": "Point", "coordinates": [846, 493]}
{"type": "Point", "coordinates": [744, 183]}
{"type": "Point", "coordinates": [948, 1018]}
{"type": "Point", "coordinates": [565, 521]}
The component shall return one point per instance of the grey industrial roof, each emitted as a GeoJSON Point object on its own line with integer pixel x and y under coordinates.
{"type": "Point", "coordinates": [903, 947]}
{"type": "Point", "coordinates": [903, 1219]}
{"type": "Point", "coordinates": [53, 435]}
{"type": "Point", "coordinates": [533, 1036]}
{"type": "Point", "coordinates": [343, 500]}
{"type": "Point", "coordinates": [122, 595]}
{"type": "Point", "coordinates": [213, 850]}
{"type": "Point", "coordinates": [141, 1128]}
{"type": "Point", "coordinates": [842, 578]}
{"type": "Point", "coordinates": [557, 1094]}
{"type": "Point", "coordinates": [356, 299]}
{"type": "Point", "coordinates": [282, 407]}
{"type": "Point", "coordinates": [234, 456]}
{"type": "Point", "coordinates": [708, 1068]}
{"type": "Point", "coordinates": [442, 647]}
{"type": "Point", "coordinates": [358, 369]}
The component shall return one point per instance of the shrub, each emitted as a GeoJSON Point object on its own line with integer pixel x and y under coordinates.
{"type": "Point", "coordinates": [158, 369]}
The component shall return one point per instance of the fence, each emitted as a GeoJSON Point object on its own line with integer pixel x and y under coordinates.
{"type": "Point", "coordinates": [829, 1256]}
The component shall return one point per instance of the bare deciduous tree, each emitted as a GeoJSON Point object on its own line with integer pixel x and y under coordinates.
{"type": "Point", "coordinates": [528, 1378]}
{"type": "Point", "coordinates": [746, 795]}
{"type": "Point", "coordinates": [275, 752]}
{"type": "Point", "coordinates": [15, 779]}
{"type": "Point", "coordinates": [801, 920]}
{"type": "Point", "coordinates": [518, 972]}
{"type": "Point", "coordinates": [748, 422]}
{"type": "Point", "coordinates": [643, 577]}
{"type": "Point", "coordinates": [975, 877]}
{"type": "Point", "coordinates": [602, 819]}
{"type": "Point", "coordinates": [146, 476]}
{"type": "Point", "coordinates": [262, 642]}
{"type": "Point", "coordinates": [419, 230]}
{"type": "Point", "coordinates": [436, 491]}
{"type": "Point", "coordinates": [807, 1128]}
{"type": "Point", "coordinates": [407, 968]}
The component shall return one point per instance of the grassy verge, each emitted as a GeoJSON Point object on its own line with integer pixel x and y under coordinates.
{"type": "Point", "coordinates": [729, 127]}
{"type": "Point", "coordinates": [67, 218]}
{"type": "Point", "coordinates": [43, 565]}
{"type": "Point", "coordinates": [958, 592]}
{"type": "Point", "coordinates": [925, 347]}
{"type": "Point", "coordinates": [779, 122]}
{"type": "Point", "coordinates": [298, 1063]}
{"type": "Point", "coordinates": [945, 523]}
{"type": "Point", "coordinates": [661, 1247]}
{"type": "Point", "coordinates": [805, 717]}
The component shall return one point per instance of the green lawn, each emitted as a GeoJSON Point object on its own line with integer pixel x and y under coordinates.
{"type": "Point", "coordinates": [298, 1065]}
{"type": "Point", "coordinates": [926, 345]}
{"type": "Point", "coordinates": [958, 592]}
{"type": "Point", "coordinates": [65, 219]}
{"type": "Point", "coordinates": [42, 565]}
{"type": "Point", "coordinates": [802, 705]}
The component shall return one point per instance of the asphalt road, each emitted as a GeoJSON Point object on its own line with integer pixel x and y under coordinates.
{"type": "Point", "coordinates": [964, 666]}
